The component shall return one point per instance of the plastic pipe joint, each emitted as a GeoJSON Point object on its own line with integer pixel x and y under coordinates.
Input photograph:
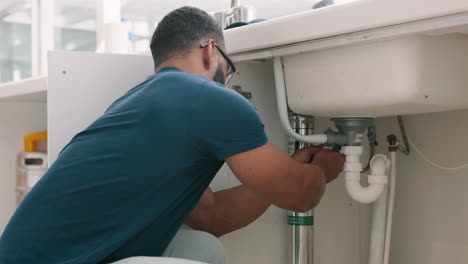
{"type": "Point", "coordinates": [353, 167]}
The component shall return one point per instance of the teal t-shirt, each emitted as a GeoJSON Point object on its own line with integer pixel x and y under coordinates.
{"type": "Point", "coordinates": [124, 185]}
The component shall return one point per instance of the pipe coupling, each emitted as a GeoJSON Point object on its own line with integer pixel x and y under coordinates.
{"type": "Point", "coordinates": [351, 166]}
{"type": "Point", "coordinates": [352, 150]}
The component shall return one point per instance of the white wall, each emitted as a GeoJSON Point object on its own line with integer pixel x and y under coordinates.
{"type": "Point", "coordinates": [16, 120]}
{"type": "Point", "coordinates": [431, 212]}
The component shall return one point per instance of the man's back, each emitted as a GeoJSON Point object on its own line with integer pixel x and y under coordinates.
{"type": "Point", "coordinates": [134, 174]}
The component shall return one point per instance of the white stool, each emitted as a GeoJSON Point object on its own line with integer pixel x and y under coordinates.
{"type": "Point", "coordinates": [156, 260]}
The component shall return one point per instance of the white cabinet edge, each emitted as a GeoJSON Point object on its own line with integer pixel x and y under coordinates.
{"type": "Point", "coordinates": [27, 90]}
{"type": "Point", "coordinates": [457, 23]}
{"type": "Point", "coordinates": [335, 21]}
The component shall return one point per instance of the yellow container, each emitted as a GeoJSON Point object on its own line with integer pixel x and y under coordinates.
{"type": "Point", "coordinates": [31, 140]}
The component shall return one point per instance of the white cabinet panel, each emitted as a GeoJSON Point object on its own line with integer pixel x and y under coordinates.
{"type": "Point", "coordinates": [82, 86]}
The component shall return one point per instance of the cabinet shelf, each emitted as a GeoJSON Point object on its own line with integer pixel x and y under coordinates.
{"type": "Point", "coordinates": [28, 90]}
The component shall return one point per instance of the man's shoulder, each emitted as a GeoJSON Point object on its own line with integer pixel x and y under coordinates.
{"type": "Point", "coordinates": [218, 100]}
{"type": "Point", "coordinates": [219, 94]}
{"type": "Point", "coordinates": [200, 91]}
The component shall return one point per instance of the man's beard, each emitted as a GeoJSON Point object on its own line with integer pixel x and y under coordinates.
{"type": "Point", "coordinates": [219, 77]}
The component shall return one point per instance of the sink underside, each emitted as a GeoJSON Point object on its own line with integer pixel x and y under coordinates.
{"type": "Point", "coordinates": [417, 74]}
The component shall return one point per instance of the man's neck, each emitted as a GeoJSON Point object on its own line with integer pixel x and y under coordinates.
{"type": "Point", "coordinates": [186, 64]}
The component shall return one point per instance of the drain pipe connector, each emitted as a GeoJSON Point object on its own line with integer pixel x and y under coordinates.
{"type": "Point", "coordinates": [353, 167]}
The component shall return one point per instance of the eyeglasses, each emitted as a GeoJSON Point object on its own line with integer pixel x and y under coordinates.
{"type": "Point", "coordinates": [231, 67]}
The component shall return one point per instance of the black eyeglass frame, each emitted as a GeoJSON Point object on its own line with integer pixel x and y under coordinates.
{"type": "Point", "coordinates": [232, 68]}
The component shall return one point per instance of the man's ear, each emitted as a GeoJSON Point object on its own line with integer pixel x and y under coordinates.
{"type": "Point", "coordinates": [209, 55]}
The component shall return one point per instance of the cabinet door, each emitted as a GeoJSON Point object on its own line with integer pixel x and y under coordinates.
{"type": "Point", "coordinates": [82, 85]}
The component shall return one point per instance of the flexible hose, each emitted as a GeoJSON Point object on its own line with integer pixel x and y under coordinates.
{"type": "Point", "coordinates": [425, 158]}
{"type": "Point", "coordinates": [283, 107]}
{"type": "Point", "coordinates": [391, 201]}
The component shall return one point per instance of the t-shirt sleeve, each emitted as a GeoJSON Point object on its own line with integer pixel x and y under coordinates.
{"type": "Point", "coordinates": [226, 123]}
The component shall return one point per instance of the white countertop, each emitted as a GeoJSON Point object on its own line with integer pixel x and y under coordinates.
{"type": "Point", "coordinates": [336, 20]}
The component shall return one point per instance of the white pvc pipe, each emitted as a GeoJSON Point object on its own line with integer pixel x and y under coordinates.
{"type": "Point", "coordinates": [379, 165]}
{"type": "Point", "coordinates": [362, 194]}
{"type": "Point", "coordinates": [283, 107]}
{"type": "Point", "coordinates": [375, 191]}
{"type": "Point", "coordinates": [353, 167]}
{"type": "Point", "coordinates": [377, 240]}
{"type": "Point", "coordinates": [391, 200]}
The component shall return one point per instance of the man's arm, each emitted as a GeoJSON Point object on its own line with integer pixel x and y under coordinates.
{"type": "Point", "coordinates": [280, 179]}
{"type": "Point", "coordinates": [225, 211]}
{"type": "Point", "coordinates": [228, 210]}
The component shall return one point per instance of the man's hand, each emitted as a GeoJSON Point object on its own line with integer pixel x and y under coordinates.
{"type": "Point", "coordinates": [280, 179]}
{"type": "Point", "coordinates": [305, 155]}
{"type": "Point", "coordinates": [330, 162]}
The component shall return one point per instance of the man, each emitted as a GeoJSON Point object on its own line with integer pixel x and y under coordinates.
{"type": "Point", "coordinates": [123, 187]}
